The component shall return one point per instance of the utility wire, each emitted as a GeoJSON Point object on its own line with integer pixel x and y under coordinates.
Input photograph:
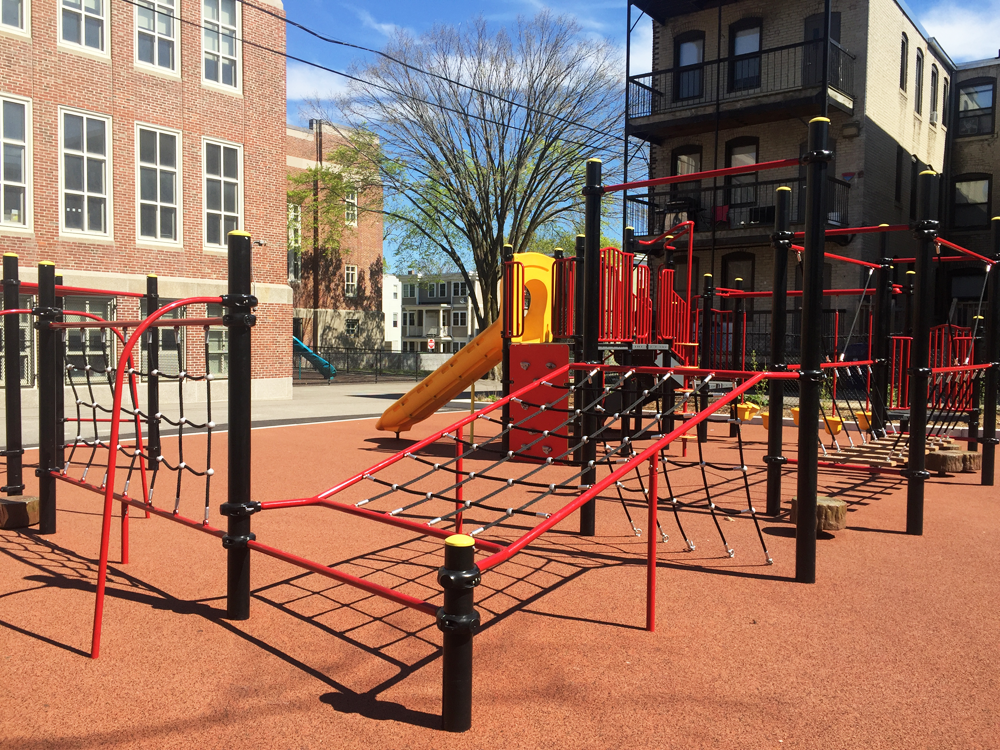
{"type": "Point", "coordinates": [400, 94]}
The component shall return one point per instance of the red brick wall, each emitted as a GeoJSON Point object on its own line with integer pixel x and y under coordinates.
{"type": "Point", "coordinates": [52, 77]}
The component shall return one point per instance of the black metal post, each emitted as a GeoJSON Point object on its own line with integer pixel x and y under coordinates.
{"type": "Point", "coordinates": [153, 374]}
{"type": "Point", "coordinates": [670, 398]}
{"type": "Point", "coordinates": [817, 158]}
{"type": "Point", "coordinates": [12, 376]}
{"type": "Point", "coordinates": [630, 391]}
{"type": "Point", "coordinates": [781, 241]}
{"type": "Point", "coordinates": [239, 506]}
{"type": "Point", "coordinates": [49, 379]}
{"type": "Point", "coordinates": [908, 304]}
{"type": "Point", "coordinates": [993, 357]}
{"type": "Point", "coordinates": [578, 375]}
{"type": "Point", "coordinates": [505, 376]}
{"type": "Point", "coordinates": [923, 291]}
{"type": "Point", "coordinates": [591, 329]}
{"type": "Point", "coordinates": [738, 356]}
{"type": "Point", "coordinates": [705, 347]}
{"type": "Point", "coordinates": [881, 330]}
{"type": "Point", "coordinates": [458, 621]}
{"type": "Point", "coordinates": [978, 347]}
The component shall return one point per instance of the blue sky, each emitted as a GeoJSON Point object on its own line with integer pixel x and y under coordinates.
{"type": "Point", "coordinates": [967, 30]}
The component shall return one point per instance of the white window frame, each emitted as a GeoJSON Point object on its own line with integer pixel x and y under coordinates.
{"type": "Point", "coordinates": [432, 291]}
{"type": "Point", "coordinates": [351, 208]}
{"type": "Point", "coordinates": [25, 28]}
{"type": "Point", "coordinates": [459, 318]}
{"type": "Point", "coordinates": [412, 288]}
{"type": "Point", "coordinates": [459, 289]}
{"type": "Point", "coordinates": [350, 281]}
{"type": "Point", "coordinates": [205, 142]}
{"type": "Point", "coordinates": [28, 225]}
{"type": "Point", "coordinates": [108, 174]}
{"type": "Point", "coordinates": [178, 188]}
{"type": "Point", "coordinates": [175, 70]}
{"type": "Point", "coordinates": [294, 241]}
{"type": "Point", "coordinates": [206, 23]}
{"type": "Point", "coordinates": [105, 51]}
{"type": "Point", "coordinates": [395, 320]}
{"type": "Point", "coordinates": [357, 326]}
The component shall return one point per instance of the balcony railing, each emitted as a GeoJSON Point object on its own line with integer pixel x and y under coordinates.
{"type": "Point", "coordinates": [735, 205]}
{"type": "Point", "coordinates": [788, 68]}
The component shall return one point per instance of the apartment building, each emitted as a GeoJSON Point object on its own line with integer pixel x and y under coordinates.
{"type": "Point", "coordinates": [437, 308]}
{"type": "Point", "coordinates": [135, 136]}
{"type": "Point", "coordinates": [392, 313]}
{"type": "Point", "coordinates": [735, 83]}
{"type": "Point", "coordinates": [337, 291]}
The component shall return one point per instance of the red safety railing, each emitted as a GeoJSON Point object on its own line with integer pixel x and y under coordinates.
{"type": "Point", "coordinates": [951, 349]}
{"type": "Point", "coordinates": [642, 306]}
{"type": "Point", "coordinates": [720, 341]}
{"type": "Point", "coordinates": [616, 320]}
{"type": "Point", "coordinates": [563, 297]}
{"type": "Point", "coordinates": [950, 345]}
{"type": "Point", "coordinates": [513, 299]}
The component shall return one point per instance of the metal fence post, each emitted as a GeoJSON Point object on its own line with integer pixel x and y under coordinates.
{"type": "Point", "coordinates": [239, 506]}
{"type": "Point", "coordinates": [12, 376]}
{"type": "Point", "coordinates": [153, 373]}
{"type": "Point", "coordinates": [737, 353]}
{"type": "Point", "coordinates": [817, 159]}
{"type": "Point", "coordinates": [881, 330]}
{"type": "Point", "coordinates": [781, 241]}
{"type": "Point", "coordinates": [458, 621]}
{"type": "Point", "coordinates": [592, 193]}
{"type": "Point", "coordinates": [706, 351]}
{"type": "Point", "coordinates": [993, 358]}
{"type": "Point", "coordinates": [923, 290]}
{"type": "Point", "coordinates": [48, 381]}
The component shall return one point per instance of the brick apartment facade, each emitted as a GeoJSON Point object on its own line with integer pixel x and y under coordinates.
{"type": "Point", "coordinates": [892, 103]}
{"type": "Point", "coordinates": [346, 305]}
{"type": "Point", "coordinates": [138, 135]}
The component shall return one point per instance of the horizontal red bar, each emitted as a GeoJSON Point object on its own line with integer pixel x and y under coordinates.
{"type": "Point", "coordinates": [68, 291]}
{"type": "Point", "coordinates": [160, 323]}
{"type": "Point", "coordinates": [854, 467]}
{"type": "Point", "coordinates": [959, 368]}
{"type": "Point", "coordinates": [748, 169]}
{"type": "Point", "coordinates": [861, 230]}
{"type": "Point", "coordinates": [964, 251]}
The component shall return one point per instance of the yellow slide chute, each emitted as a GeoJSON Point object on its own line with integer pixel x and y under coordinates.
{"type": "Point", "coordinates": [480, 355]}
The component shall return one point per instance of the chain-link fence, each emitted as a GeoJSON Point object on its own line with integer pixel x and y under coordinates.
{"type": "Point", "coordinates": [357, 365]}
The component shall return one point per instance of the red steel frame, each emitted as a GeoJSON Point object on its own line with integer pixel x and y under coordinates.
{"type": "Point", "coordinates": [616, 320]}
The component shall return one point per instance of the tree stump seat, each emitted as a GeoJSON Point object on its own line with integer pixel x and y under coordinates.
{"type": "Point", "coordinates": [18, 512]}
{"type": "Point", "coordinates": [954, 461]}
{"type": "Point", "coordinates": [831, 513]}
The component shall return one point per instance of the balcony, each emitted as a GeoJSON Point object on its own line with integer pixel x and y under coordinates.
{"type": "Point", "coordinates": [733, 206]}
{"type": "Point", "coordinates": [777, 82]}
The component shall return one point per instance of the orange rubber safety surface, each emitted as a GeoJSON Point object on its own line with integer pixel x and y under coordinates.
{"type": "Point", "coordinates": [895, 646]}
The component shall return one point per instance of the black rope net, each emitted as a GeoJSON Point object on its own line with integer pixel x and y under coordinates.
{"type": "Point", "coordinates": [149, 444]}
{"type": "Point", "coordinates": [477, 486]}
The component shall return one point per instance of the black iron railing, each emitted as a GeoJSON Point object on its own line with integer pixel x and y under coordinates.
{"type": "Point", "coordinates": [787, 68]}
{"type": "Point", "coordinates": [740, 203]}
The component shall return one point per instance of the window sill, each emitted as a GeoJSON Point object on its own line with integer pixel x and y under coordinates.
{"type": "Point", "coordinates": [215, 250]}
{"type": "Point", "coordinates": [144, 243]}
{"type": "Point", "coordinates": [16, 33]}
{"type": "Point", "coordinates": [96, 239]}
{"type": "Point", "coordinates": [82, 51]}
{"type": "Point", "coordinates": [222, 88]}
{"type": "Point", "coordinates": [17, 229]}
{"type": "Point", "coordinates": [157, 71]}
{"type": "Point", "coordinates": [977, 137]}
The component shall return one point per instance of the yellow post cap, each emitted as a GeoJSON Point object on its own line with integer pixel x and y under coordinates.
{"type": "Point", "coordinates": [783, 188]}
{"type": "Point", "coordinates": [996, 218]}
{"type": "Point", "coordinates": [739, 278]}
{"type": "Point", "coordinates": [460, 540]}
{"type": "Point", "coordinates": [819, 119]}
{"type": "Point", "coordinates": [239, 233]}
{"type": "Point", "coordinates": [883, 225]}
{"type": "Point", "coordinates": [931, 172]}
{"type": "Point", "coordinates": [627, 228]}
{"type": "Point", "coordinates": [151, 276]}
{"type": "Point", "coordinates": [582, 235]}
{"type": "Point", "coordinates": [507, 244]}
{"type": "Point", "coordinates": [46, 263]}
{"type": "Point", "coordinates": [708, 275]}
{"type": "Point", "coordinates": [595, 160]}
{"type": "Point", "coordinates": [10, 255]}
{"type": "Point", "coordinates": [908, 273]}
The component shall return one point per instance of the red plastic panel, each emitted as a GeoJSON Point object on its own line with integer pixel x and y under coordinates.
{"type": "Point", "coordinates": [529, 362]}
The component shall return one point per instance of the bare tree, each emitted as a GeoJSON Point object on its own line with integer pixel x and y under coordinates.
{"type": "Point", "coordinates": [484, 136]}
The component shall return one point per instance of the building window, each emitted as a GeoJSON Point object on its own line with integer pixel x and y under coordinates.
{"type": "Point", "coordinates": [946, 103]}
{"type": "Point", "coordinates": [155, 28]}
{"type": "Point", "coordinates": [904, 54]}
{"type": "Point", "coordinates": [918, 91]}
{"type": "Point", "coordinates": [744, 51]}
{"type": "Point", "coordinates": [975, 107]}
{"type": "Point", "coordinates": [934, 94]}
{"type": "Point", "coordinates": [432, 290]}
{"type": "Point", "coordinates": [350, 281]}
{"type": "Point", "coordinates": [294, 242]}
{"type": "Point", "coordinates": [352, 327]}
{"type": "Point", "coordinates": [409, 290]}
{"type": "Point", "coordinates": [458, 289]}
{"type": "Point", "coordinates": [158, 196]}
{"type": "Point", "coordinates": [741, 152]}
{"type": "Point", "coordinates": [972, 202]}
{"type": "Point", "coordinates": [216, 345]}
{"type": "Point", "coordinates": [84, 163]}
{"type": "Point", "coordinates": [223, 199]}
{"type": "Point", "coordinates": [410, 319]}
{"type": "Point", "coordinates": [901, 160]}
{"type": "Point", "coordinates": [13, 14]}
{"type": "Point", "coordinates": [351, 208]}
{"type": "Point", "coordinates": [395, 320]}
{"type": "Point", "coordinates": [689, 58]}
{"type": "Point", "coordinates": [459, 318]}
{"type": "Point", "coordinates": [16, 170]}
{"type": "Point", "coordinates": [220, 21]}
{"type": "Point", "coordinates": [87, 346]}
{"type": "Point", "coordinates": [83, 23]}
{"type": "Point", "coordinates": [442, 290]}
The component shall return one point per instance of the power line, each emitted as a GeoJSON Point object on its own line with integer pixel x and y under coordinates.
{"type": "Point", "coordinates": [400, 94]}
{"type": "Point", "coordinates": [331, 40]}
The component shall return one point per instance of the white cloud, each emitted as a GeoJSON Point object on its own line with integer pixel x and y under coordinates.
{"type": "Point", "coordinates": [966, 32]}
{"type": "Point", "coordinates": [306, 82]}
{"type": "Point", "coordinates": [369, 22]}
{"type": "Point", "coordinates": [641, 51]}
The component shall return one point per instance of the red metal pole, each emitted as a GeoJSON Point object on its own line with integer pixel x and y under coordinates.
{"type": "Point", "coordinates": [459, 502]}
{"type": "Point", "coordinates": [748, 169]}
{"type": "Point", "coordinates": [651, 548]}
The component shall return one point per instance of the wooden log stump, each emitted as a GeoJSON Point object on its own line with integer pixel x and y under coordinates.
{"type": "Point", "coordinates": [954, 461]}
{"type": "Point", "coordinates": [831, 513]}
{"type": "Point", "coordinates": [18, 512]}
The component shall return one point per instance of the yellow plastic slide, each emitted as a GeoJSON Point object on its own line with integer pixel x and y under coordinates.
{"type": "Point", "coordinates": [479, 356]}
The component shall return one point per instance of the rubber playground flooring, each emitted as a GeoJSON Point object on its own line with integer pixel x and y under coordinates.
{"type": "Point", "coordinates": [895, 646]}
